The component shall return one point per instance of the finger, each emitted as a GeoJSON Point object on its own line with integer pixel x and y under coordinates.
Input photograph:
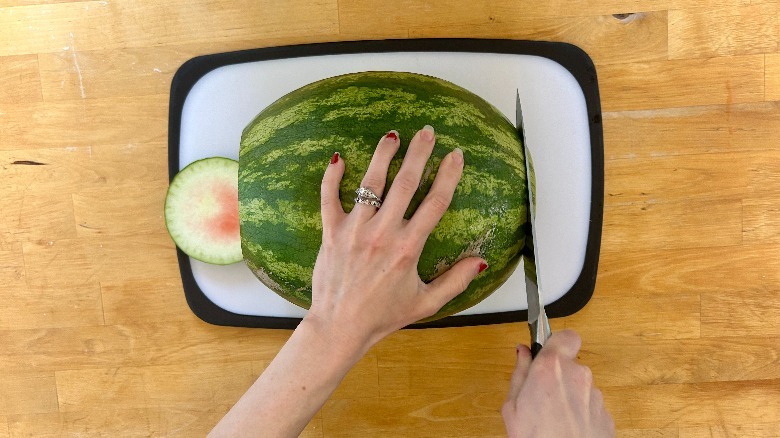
{"type": "Point", "coordinates": [330, 202]}
{"type": "Point", "coordinates": [603, 420]}
{"type": "Point", "coordinates": [376, 175]}
{"type": "Point", "coordinates": [567, 343]}
{"type": "Point", "coordinates": [596, 400]}
{"type": "Point", "coordinates": [407, 181]}
{"type": "Point", "coordinates": [520, 373]}
{"type": "Point", "coordinates": [609, 423]}
{"type": "Point", "coordinates": [438, 199]}
{"type": "Point", "coordinates": [452, 282]}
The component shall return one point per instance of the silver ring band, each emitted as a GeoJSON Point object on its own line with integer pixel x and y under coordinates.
{"type": "Point", "coordinates": [370, 202]}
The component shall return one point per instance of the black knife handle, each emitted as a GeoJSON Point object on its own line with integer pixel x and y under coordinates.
{"type": "Point", "coordinates": [535, 349]}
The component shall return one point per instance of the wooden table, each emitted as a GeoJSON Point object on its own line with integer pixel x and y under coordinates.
{"type": "Point", "coordinates": [682, 334]}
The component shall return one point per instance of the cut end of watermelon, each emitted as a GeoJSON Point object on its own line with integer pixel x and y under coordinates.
{"type": "Point", "coordinates": [201, 211]}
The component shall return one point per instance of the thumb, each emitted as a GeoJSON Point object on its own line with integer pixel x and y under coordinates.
{"type": "Point", "coordinates": [449, 284]}
{"type": "Point", "coordinates": [520, 373]}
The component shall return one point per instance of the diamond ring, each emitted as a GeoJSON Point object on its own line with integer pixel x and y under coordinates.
{"type": "Point", "coordinates": [367, 197]}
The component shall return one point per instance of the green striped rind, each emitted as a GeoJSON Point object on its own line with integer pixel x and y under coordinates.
{"type": "Point", "coordinates": [529, 257]}
{"type": "Point", "coordinates": [286, 148]}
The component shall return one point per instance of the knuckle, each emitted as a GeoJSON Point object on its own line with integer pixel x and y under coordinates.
{"type": "Point", "coordinates": [374, 183]}
{"type": "Point", "coordinates": [507, 409]}
{"type": "Point", "coordinates": [406, 182]}
{"type": "Point", "coordinates": [547, 362]}
{"type": "Point", "coordinates": [571, 338]}
{"type": "Point", "coordinates": [544, 373]}
{"type": "Point", "coordinates": [585, 376]}
{"type": "Point", "coordinates": [329, 236]}
{"type": "Point", "coordinates": [461, 283]}
{"type": "Point", "coordinates": [439, 202]}
{"type": "Point", "coordinates": [407, 254]}
{"type": "Point", "coordinates": [374, 239]}
{"type": "Point", "coordinates": [598, 396]}
{"type": "Point", "coordinates": [588, 375]}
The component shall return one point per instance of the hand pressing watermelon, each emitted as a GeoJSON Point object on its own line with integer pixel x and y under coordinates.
{"type": "Point", "coordinates": [201, 211]}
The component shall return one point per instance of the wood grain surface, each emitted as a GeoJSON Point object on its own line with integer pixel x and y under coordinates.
{"type": "Point", "coordinates": [682, 333]}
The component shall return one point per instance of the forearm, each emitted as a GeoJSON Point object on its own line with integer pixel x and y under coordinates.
{"type": "Point", "coordinates": [295, 385]}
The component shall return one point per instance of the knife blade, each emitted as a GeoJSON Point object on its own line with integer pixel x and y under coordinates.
{"type": "Point", "coordinates": [538, 324]}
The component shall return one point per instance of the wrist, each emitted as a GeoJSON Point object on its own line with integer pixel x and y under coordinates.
{"type": "Point", "coordinates": [338, 341]}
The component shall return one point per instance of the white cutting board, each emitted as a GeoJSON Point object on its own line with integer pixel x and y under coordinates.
{"type": "Point", "coordinates": [225, 100]}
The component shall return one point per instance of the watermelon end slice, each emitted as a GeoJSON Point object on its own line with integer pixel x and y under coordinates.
{"type": "Point", "coordinates": [201, 211]}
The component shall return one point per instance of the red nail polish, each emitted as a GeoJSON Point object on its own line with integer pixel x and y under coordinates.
{"type": "Point", "coordinates": [392, 136]}
{"type": "Point", "coordinates": [482, 267]}
{"type": "Point", "coordinates": [335, 158]}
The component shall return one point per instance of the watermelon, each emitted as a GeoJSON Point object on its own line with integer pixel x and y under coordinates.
{"type": "Point", "coordinates": [201, 211]}
{"type": "Point", "coordinates": [285, 151]}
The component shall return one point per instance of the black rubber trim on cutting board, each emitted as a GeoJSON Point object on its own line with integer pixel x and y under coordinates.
{"type": "Point", "coordinates": [571, 57]}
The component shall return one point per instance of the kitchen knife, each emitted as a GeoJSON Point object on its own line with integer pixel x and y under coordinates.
{"type": "Point", "coordinates": [538, 323]}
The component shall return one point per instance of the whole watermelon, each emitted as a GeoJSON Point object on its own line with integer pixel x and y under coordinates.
{"type": "Point", "coordinates": [286, 148]}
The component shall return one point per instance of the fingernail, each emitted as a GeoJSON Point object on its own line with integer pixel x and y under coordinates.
{"type": "Point", "coordinates": [427, 133]}
{"type": "Point", "coordinates": [392, 135]}
{"type": "Point", "coordinates": [482, 267]}
{"type": "Point", "coordinates": [458, 156]}
{"type": "Point", "coordinates": [335, 158]}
